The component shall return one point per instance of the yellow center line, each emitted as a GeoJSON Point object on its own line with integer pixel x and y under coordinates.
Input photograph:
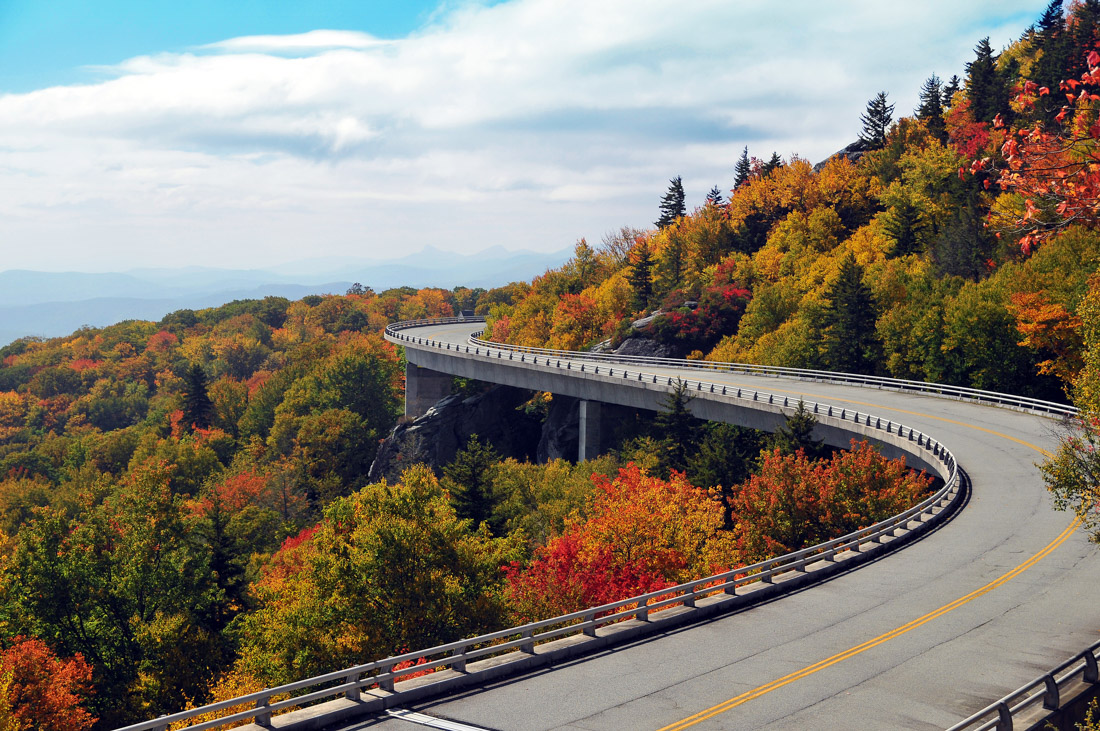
{"type": "Point", "coordinates": [852, 652]}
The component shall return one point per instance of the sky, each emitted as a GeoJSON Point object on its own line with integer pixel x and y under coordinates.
{"type": "Point", "coordinates": [144, 133]}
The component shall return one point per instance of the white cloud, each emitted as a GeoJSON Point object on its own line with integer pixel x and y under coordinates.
{"type": "Point", "coordinates": [529, 124]}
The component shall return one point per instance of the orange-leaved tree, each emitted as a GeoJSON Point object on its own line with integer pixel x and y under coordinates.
{"type": "Point", "coordinates": [40, 691]}
{"type": "Point", "coordinates": [795, 501]}
{"type": "Point", "coordinates": [642, 534]}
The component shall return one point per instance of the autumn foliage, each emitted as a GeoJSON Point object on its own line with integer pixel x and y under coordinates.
{"type": "Point", "coordinates": [42, 692]}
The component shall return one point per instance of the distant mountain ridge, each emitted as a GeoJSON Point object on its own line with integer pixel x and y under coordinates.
{"type": "Point", "coordinates": [51, 304]}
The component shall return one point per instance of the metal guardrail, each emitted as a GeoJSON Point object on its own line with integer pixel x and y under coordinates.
{"type": "Point", "coordinates": [962, 393]}
{"type": "Point", "coordinates": [1044, 692]}
{"type": "Point", "coordinates": [350, 682]}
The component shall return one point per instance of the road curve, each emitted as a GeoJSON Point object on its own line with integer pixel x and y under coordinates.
{"type": "Point", "coordinates": [918, 639]}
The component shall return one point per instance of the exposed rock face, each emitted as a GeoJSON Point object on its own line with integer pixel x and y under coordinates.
{"type": "Point", "coordinates": [560, 431]}
{"type": "Point", "coordinates": [853, 152]}
{"type": "Point", "coordinates": [644, 347]}
{"type": "Point", "coordinates": [438, 435]}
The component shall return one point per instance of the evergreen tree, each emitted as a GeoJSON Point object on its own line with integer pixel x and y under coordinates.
{"type": "Point", "coordinates": [905, 224]}
{"type": "Point", "coordinates": [849, 342]}
{"type": "Point", "coordinates": [198, 410]}
{"type": "Point", "coordinates": [949, 91]}
{"type": "Point", "coordinates": [798, 433]}
{"type": "Point", "coordinates": [677, 430]}
{"type": "Point", "coordinates": [727, 456]}
{"type": "Point", "coordinates": [672, 205]}
{"type": "Point", "coordinates": [743, 169]}
{"type": "Point", "coordinates": [964, 243]}
{"type": "Point", "coordinates": [876, 122]}
{"type": "Point", "coordinates": [469, 481]}
{"type": "Point", "coordinates": [641, 274]}
{"type": "Point", "coordinates": [773, 163]}
{"type": "Point", "coordinates": [984, 86]}
{"type": "Point", "coordinates": [714, 197]}
{"type": "Point", "coordinates": [930, 110]}
{"type": "Point", "coordinates": [1051, 38]}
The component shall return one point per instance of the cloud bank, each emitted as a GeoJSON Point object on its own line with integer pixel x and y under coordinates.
{"type": "Point", "coordinates": [526, 124]}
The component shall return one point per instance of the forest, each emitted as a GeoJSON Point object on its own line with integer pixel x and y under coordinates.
{"type": "Point", "coordinates": [184, 509]}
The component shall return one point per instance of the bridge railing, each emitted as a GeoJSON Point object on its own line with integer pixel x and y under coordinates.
{"type": "Point", "coordinates": [896, 384]}
{"type": "Point", "coordinates": [1043, 692]}
{"type": "Point", "coordinates": [382, 674]}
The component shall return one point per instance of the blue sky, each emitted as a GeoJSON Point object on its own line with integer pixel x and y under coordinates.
{"type": "Point", "coordinates": [51, 42]}
{"type": "Point", "coordinates": [238, 134]}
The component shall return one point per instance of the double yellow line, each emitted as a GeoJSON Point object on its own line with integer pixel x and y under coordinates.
{"type": "Point", "coordinates": [852, 652]}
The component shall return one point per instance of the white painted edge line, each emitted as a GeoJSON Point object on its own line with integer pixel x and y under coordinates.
{"type": "Point", "coordinates": [430, 721]}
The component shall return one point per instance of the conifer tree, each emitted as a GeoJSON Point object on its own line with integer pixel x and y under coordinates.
{"type": "Point", "coordinates": [797, 433]}
{"type": "Point", "coordinates": [850, 342]}
{"type": "Point", "coordinates": [774, 162]}
{"type": "Point", "coordinates": [905, 224]}
{"type": "Point", "coordinates": [930, 110]}
{"type": "Point", "coordinates": [1051, 38]}
{"type": "Point", "coordinates": [714, 197]}
{"type": "Point", "coordinates": [641, 274]}
{"type": "Point", "coordinates": [876, 122]}
{"type": "Point", "coordinates": [985, 88]}
{"type": "Point", "coordinates": [469, 480]}
{"type": "Point", "coordinates": [950, 89]}
{"type": "Point", "coordinates": [672, 205]}
{"type": "Point", "coordinates": [198, 410]}
{"type": "Point", "coordinates": [743, 169]}
{"type": "Point", "coordinates": [679, 431]}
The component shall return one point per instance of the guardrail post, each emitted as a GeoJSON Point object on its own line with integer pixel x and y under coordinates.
{"type": "Point", "coordinates": [642, 613]}
{"type": "Point", "coordinates": [352, 694]}
{"type": "Point", "coordinates": [1091, 672]}
{"type": "Point", "coordinates": [590, 630]}
{"type": "Point", "coordinates": [1050, 697]}
{"type": "Point", "coordinates": [527, 647]}
{"type": "Point", "coordinates": [1004, 717]}
{"type": "Point", "coordinates": [458, 664]}
{"type": "Point", "coordinates": [386, 684]}
{"type": "Point", "coordinates": [263, 718]}
{"type": "Point", "coordinates": [688, 597]}
{"type": "Point", "coordinates": [162, 727]}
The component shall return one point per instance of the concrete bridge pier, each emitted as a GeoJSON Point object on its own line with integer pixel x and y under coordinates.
{"type": "Point", "coordinates": [423, 388]}
{"type": "Point", "coordinates": [589, 428]}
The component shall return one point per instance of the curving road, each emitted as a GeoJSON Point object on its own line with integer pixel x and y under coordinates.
{"type": "Point", "coordinates": [919, 639]}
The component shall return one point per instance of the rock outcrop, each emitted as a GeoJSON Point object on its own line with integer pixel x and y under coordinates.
{"type": "Point", "coordinates": [853, 152]}
{"type": "Point", "coordinates": [438, 435]}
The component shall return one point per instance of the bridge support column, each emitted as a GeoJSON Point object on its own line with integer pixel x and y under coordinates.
{"type": "Point", "coordinates": [588, 432]}
{"type": "Point", "coordinates": [423, 388]}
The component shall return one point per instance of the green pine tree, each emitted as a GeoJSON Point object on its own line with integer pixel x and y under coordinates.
{"type": "Point", "coordinates": [985, 88]}
{"type": "Point", "coordinates": [198, 410]}
{"type": "Point", "coordinates": [930, 110]}
{"type": "Point", "coordinates": [678, 431]}
{"type": "Point", "coordinates": [950, 89]}
{"type": "Point", "coordinates": [640, 275]}
{"type": "Point", "coordinates": [1052, 40]}
{"type": "Point", "coordinates": [906, 225]}
{"type": "Point", "coordinates": [743, 169]}
{"type": "Point", "coordinates": [798, 433]}
{"type": "Point", "coordinates": [468, 478]}
{"type": "Point", "coordinates": [672, 205]}
{"type": "Point", "coordinates": [876, 122]}
{"type": "Point", "coordinates": [774, 163]}
{"type": "Point", "coordinates": [714, 197]}
{"type": "Point", "coordinates": [849, 341]}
